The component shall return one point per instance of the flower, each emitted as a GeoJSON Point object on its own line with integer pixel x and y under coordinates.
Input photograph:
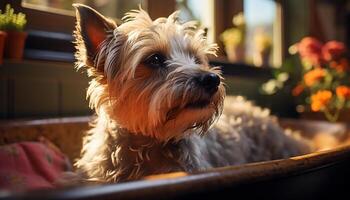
{"type": "Point", "coordinates": [343, 92]}
{"type": "Point", "coordinates": [297, 90]}
{"type": "Point", "coordinates": [314, 76]}
{"type": "Point", "coordinates": [9, 20]}
{"type": "Point", "coordinates": [235, 36]}
{"type": "Point", "coordinates": [232, 37]}
{"type": "Point", "coordinates": [239, 20]}
{"type": "Point", "coordinates": [333, 50]}
{"type": "Point", "coordinates": [262, 41]}
{"type": "Point", "coordinates": [320, 100]}
{"type": "Point", "coordinates": [310, 50]}
{"type": "Point", "coordinates": [340, 66]}
{"type": "Point", "coordinates": [325, 76]}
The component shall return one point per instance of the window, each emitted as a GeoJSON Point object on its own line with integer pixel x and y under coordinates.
{"type": "Point", "coordinates": [201, 11]}
{"type": "Point", "coordinates": [111, 8]}
{"type": "Point", "coordinates": [214, 16]}
{"type": "Point", "coordinates": [263, 32]}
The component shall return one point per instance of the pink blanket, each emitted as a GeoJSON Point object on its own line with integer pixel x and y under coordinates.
{"type": "Point", "coordinates": [31, 165]}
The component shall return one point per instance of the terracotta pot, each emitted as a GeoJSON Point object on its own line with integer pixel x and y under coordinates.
{"type": "Point", "coordinates": [2, 45]}
{"type": "Point", "coordinates": [261, 59]}
{"type": "Point", "coordinates": [235, 53]}
{"type": "Point", "coordinates": [14, 45]}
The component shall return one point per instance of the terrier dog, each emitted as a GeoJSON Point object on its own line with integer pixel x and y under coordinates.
{"type": "Point", "coordinates": [160, 106]}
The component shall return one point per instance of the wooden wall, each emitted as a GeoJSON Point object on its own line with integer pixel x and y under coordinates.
{"type": "Point", "coordinates": [34, 89]}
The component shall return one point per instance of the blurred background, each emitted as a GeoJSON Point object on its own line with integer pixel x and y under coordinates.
{"type": "Point", "coordinates": [254, 37]}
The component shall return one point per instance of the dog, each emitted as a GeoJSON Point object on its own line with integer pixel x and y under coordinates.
{"type": "Point", "coordinates": [160, 107]}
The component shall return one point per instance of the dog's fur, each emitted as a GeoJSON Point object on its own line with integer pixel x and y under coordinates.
{"type": "Point", "coordinates": [147, 118]}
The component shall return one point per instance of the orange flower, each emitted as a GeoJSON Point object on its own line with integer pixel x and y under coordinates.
{"type": "Point", "coordinates": [340, 66]}
{"type": "Point", "coordinates": [343, 92]}
{"type": "Point", "coordinates": [298, 90]}
{"type": "Point", "coordinates": [316, 106]}
{"type": "Point", "coordinates": [320, 100]}
{"type": "Point", "coordinates": [313, 76]}
{"type": "Point", "coordinates": [333, 64]}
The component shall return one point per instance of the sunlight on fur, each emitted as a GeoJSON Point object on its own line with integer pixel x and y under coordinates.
{"type": "Point", "coordinates": [160, 106]}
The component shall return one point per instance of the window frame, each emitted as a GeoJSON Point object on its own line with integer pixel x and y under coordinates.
{"type": "Point", "coordinates": [224, 10]}
{"type": "Point", "coordinates": [51, 26]}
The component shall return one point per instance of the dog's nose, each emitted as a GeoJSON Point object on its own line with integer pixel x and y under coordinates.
{"type": "Point", "coordinates": [209, 82]}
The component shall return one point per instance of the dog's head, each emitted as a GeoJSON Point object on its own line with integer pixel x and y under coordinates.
{"type": "Point", "coordinates": [151, 77]}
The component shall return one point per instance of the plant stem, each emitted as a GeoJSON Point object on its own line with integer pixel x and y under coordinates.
{"type": "Point", "coordinates": [334, 117]}
{"type": "Point", "coordinates": [329, 116]}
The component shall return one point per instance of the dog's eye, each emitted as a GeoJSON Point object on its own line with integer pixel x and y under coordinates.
{"type": "Point", "coordinates": [156, 60]}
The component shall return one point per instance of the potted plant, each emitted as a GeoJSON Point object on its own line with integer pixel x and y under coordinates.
{"type": "Point", "coordinates": [14, 25]}
{"type": "Point", "coordinates": [325, 81]}
{"type": "Point", "coordinates": [234, 39]}
{"type": "Point", "coordinates": [3, 35]}
{"type": "Point", "coordinates": [323, 84]}
{"type": "Point", "coordinates": [262, 48]}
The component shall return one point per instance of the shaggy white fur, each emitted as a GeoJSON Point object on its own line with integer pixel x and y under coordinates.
{"type": "Point", "coordinates": [159, 103]}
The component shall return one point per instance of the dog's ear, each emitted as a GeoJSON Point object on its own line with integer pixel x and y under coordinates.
{"type": "Point", "coordinates": [92, 29]}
